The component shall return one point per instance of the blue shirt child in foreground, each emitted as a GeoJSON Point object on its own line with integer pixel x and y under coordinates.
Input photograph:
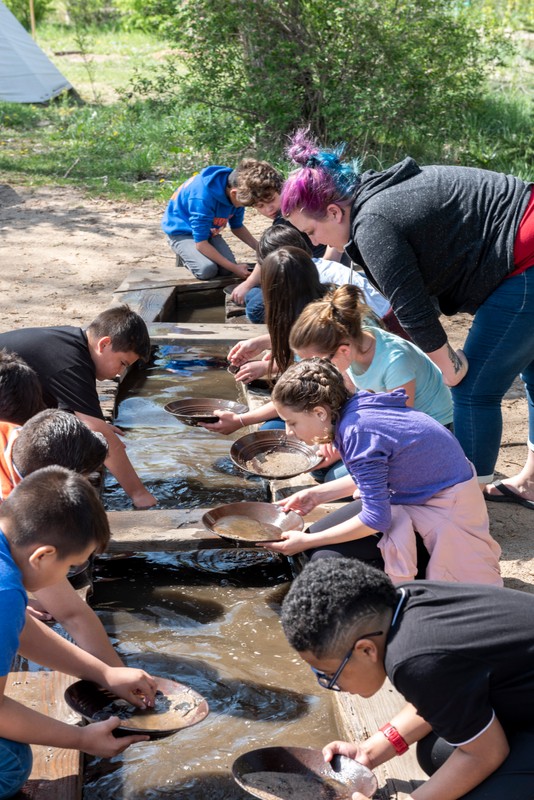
{"type": "Point", "coordinates": [411, 473]}
{"type": "Point", "coordinates": [51, 521]}
{"type": "Point", "coordinates": [196, 215]}
{"type": "Point", "coordinates": [461, 655]}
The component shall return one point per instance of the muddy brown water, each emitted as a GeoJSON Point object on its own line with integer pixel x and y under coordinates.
{"type": "Point", "coordinates": [182, 466]}
{"type": "Point", "coordinates": [209, 619]}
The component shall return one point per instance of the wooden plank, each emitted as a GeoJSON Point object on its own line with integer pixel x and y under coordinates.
{"type": "Point", "coordinates": [358, 718]}
{"type": "Point", "coordinates": [165, 277]}
{"type": "Point", "coordinates": [202, 333]}
{"type": "Point", "coordinates": [56, 773]}
{"type": "Point", "coordinates": [151, 304]}
{"type": "Point", "coordinates": [162, 277]}
{"type": "Point", "coordinates": [176, 529]}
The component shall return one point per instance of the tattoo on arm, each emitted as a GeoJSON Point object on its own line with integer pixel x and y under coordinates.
{"type": "Point", "coordinates": [455, 360]}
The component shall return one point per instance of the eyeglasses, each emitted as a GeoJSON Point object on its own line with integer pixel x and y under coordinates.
{"type": "Point", "coordinates": [330, 682]}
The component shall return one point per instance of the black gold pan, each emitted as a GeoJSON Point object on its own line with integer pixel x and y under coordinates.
{"type": "Point", "coordinates": [301, 773]}
{"type": "Point", "coordinates": [192, 410]}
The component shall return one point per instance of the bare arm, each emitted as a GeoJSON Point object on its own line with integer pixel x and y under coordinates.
{"type": "Point", "coordinates": [452, 363]}
{"type": "Point", "coordinates": [21, 724]}
{"type": "Point", "coordinates": [230, 422]}
{"type": "Point", "coordinates": [248, 348]}
{"type": "Point", "coordinates": [79, 620]}
{"type": "Point", "coordinates": [298, 541]}
{"type": "Point", "coordinates": [468, 766]}
{"type": "Point", "coordinates": [254, 279]}
{"type": "Point", "coordinates": [246, 237]}
{"type": "Point", "coordinates": [119, 464]}
{"type": "Point", "coordinates": [409, 388]}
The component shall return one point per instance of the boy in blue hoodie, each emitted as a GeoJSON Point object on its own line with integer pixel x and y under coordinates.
{"type": "Point", "coordinates": [196, 215]}
{"type": "Point", "coordinates": [411, 473]}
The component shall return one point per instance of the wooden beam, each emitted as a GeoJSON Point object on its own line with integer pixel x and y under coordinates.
{"type": "Point", "coordinates": [202, 333]}
{"type": "Point", "coordinates": [56, 773]}
{"type": "Point", "coordinates": [178, 530]}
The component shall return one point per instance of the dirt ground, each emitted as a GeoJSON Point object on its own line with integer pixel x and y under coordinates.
{"type": "Point", "coordinates": [62, 255]}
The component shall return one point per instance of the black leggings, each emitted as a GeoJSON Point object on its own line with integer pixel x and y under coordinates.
{"type": "Point", "coordinates": [365, 549]}
{"type": "Point", "coordinates": [514, 780]}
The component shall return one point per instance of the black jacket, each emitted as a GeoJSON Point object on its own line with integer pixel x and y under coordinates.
{"type": "Point", "coordinates": [435, 239]}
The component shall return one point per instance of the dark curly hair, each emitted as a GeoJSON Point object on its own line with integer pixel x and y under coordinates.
{"type": "Point", "coordinates": [328, 604]}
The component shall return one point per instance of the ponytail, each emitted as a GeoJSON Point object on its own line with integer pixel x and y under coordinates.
{"type": "Point", "coordinates": [328, 323]}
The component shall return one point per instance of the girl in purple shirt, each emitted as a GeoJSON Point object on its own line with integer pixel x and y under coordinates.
{"type": "Point", "coordinates": [411, 473]}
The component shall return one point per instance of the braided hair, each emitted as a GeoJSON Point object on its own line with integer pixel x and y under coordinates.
{"type": "Point", "coordinates": [310, 383]}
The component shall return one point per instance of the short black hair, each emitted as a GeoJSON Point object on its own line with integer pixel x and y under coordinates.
{"type": "Point", "coordinates": [126, 329]}
{"type": "Point", "coordinates": [55, 506]}
{"type": "Point", "coordinates": [58, 437]}
{"type": "Point", "coordinates": [328, 599]}
{"type": "Point", "coordinates": [21, 394]}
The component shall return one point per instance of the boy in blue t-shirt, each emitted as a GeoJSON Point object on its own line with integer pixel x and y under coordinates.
{"type": "Point", "coordinates": [196, 215]}
{"type": "Point", "coordinates": [50, 522]}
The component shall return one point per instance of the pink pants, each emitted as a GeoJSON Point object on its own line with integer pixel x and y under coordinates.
{"type": "Point", "coordinates": [454, 526]}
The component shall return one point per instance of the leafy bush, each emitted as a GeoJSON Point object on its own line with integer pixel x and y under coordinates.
{"type": "Point", "coordinates": [390, 66]}
{"type": "Point", "coordinates": [21, 10]}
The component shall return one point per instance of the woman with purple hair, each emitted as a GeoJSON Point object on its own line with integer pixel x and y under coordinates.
{"type": "Point", "coordinates": [438, 239]}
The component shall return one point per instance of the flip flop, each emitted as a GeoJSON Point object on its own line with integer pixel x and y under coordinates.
{"type": "Point", "coordinates": [507, 496]}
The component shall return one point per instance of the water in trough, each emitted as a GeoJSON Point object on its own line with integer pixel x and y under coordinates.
{"type": "Point", "coordinates": [208, 618]}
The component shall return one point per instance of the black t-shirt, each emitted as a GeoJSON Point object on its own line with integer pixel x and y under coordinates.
{"type": "Point", "coordinates": [462, 653]}
{"type": "Point", "coordinates": [61, 359]}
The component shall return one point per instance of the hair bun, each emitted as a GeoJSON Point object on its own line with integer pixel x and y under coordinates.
{"type": "Point", "coordinates": [302, 149]}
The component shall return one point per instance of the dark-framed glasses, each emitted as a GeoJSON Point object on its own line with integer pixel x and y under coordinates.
{"type": "Point", "coordinates": [330, 681]}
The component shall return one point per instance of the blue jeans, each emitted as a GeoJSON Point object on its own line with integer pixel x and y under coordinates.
{"type": "Point", "coordinates": [15, 766]}
{"type": "Point", "coordinates": [275, 424]}
{"type": "Point", "coordinates": [254, 307]}
{"type": "Point", "coordinates": [499, 346]}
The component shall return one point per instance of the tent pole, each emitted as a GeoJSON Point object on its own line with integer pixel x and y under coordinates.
{"type": "Point", "coordinates": [32, 18]}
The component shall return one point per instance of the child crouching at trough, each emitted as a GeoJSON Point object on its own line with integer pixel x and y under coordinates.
{"type": "Point", "coordinates": [411, 473]}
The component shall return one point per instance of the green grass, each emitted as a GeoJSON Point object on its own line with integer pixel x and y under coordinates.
{"type": "Point", "coordinates": [136, 148]}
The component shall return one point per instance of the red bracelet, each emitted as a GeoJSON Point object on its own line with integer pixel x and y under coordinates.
{"type": "Point", "coordinates": [393, 736]}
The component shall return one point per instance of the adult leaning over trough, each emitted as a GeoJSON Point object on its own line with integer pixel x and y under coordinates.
{"type": "Point", "coordinates": [439, 239]}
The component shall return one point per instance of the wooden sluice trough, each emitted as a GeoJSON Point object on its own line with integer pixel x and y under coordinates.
{"type": "Point", "coordinates": [155, 295]}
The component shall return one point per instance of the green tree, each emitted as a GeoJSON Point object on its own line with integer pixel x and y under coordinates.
{"type": "Point", "coordinates": [393, 66]}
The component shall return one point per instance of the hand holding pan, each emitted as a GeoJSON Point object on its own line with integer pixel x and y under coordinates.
{"type": "Point", "coordinates": [301, 773]}
{"type": "Point", "coordinates": [195, 410]}
{"type": "Point", "coordinates": [250, 523]}
{"type": "Point", "coordinates": [175, 707]}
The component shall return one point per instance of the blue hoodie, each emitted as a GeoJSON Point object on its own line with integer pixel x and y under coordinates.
{"type": "Point", "coordinates": [396, 455]}
{"type": "Point", "coordinates": [201, 208]}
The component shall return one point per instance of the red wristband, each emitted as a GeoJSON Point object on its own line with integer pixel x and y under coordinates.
{"type": "Point", "coordinates": [394, 737]}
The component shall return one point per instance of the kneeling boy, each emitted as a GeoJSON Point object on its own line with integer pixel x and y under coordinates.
{"type": "Point", "coordinates": [462, 655]}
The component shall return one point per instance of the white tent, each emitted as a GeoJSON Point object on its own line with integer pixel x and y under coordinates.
{"type": "Point", "coordinates": [26, 74]}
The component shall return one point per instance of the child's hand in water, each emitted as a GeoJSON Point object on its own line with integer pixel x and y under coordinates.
{"type": "Point", "coordinates": [251, 371]}
{"type": "Point", "coordinates": [244, 351]}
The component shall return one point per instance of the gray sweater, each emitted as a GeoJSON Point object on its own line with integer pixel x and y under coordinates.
{"type": "Point", "coordinates": [435, 239]}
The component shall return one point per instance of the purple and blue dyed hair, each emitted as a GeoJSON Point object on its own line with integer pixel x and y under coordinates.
{"type": "Point", "coordinates": [321, 179]}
